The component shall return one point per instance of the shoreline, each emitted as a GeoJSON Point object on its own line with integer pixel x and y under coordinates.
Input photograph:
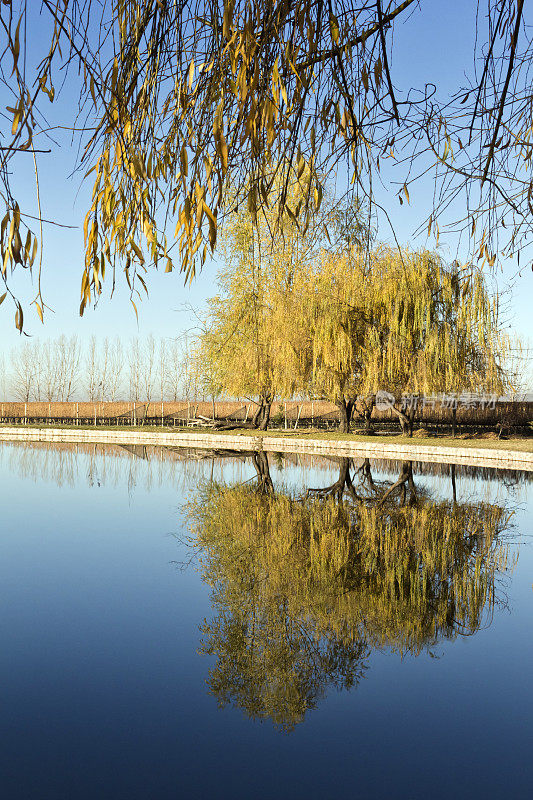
{"type": "Point", "coordinates": [507, 454]}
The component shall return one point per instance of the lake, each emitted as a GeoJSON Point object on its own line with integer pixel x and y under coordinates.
{"type": "Point", "coordinates": [195, 624]}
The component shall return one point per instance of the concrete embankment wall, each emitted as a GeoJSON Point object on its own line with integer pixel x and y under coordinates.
{"type": "Point", "coordinates": [473, 456]}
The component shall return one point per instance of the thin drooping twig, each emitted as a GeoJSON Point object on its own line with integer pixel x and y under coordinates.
{"type": "Point", "coordinates": [514, 42]}
{"type": "Point", "coordinates": [386, 61]}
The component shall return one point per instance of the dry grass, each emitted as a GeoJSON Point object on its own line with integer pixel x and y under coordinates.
{"type": "Point", "coordinates": [524, 444]}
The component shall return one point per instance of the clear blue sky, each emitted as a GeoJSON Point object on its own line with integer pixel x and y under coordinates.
{"type": "Point", "coordinates": [436, 44]}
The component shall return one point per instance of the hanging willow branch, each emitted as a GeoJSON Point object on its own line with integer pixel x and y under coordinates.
{"type": "Point", "coordinates": [190, 109]}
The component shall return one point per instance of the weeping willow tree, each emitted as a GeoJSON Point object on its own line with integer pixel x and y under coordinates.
{"type": "Point", "coordinates": [258, 333]}
{"type": "Point", "coordinates": [181, 100]}
{"type": "Point", "coordinates": [436, 329]}
{"type": "Point", "coordinates": [405, 322]}
{"type": "Point", "coordinates": [344, 322]}
{"type": "Point", "coordinates": [304, 588]}
{"type": "Point", "coordinates": [339, 328]}
{"type": "Point", "coordinates": [247, 338]}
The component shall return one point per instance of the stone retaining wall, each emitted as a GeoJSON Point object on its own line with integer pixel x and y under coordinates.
{"type": "Point", "coordinates": [472, 456]}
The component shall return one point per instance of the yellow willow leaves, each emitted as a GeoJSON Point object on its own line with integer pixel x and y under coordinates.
{"type": "Point", "coordinates": [212, 225]}
{"type": "Point", "coordinates": [92, 90]}
{"type": "Point", "coordinates": [433, 331]}
{"type": "Point", "coordinates": [190, 75]}
{"type": "Point", "coordinates": [378, 69]}
{"type": "Point", "coordinates": [364, 78]}
{"type": "Point", "coordinates": [308, 77]}
{"type": "Point", "coordinates": [13, 250]}
{"type": "Point", "coordinates": [18, 113]}
{"type": "Point", "coordinates": [137, 250]}
{"type": "Point", "coordinates": [251, 344]}
{"type": "Point", "coordinates": [227, 19]}
{"type": "Point", "coordinates": [221, 145]}
{"type": "Point", "coordinates": [237, 75]}
{"type": "Point", "coordinates": [184, 161]}
{"type": "Point", "coordinates": [15, 47]}
{"type": "Point", "coordinates": [19, 318]}
{"type": "Point", "coordinates": [340, 327]}
{"type": "Point", "coordinates": [334, 29]}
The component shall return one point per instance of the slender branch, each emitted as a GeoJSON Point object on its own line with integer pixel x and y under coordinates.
{"type": "Point", "coordinates": [514, 42]}
{"type": "Point", "coordinates": [386, 61]}
{"type": "Point", "coordinates": [358, 39]}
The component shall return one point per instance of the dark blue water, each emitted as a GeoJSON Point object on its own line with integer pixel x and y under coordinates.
{"type": "Point", "coordinates": [103, 693]}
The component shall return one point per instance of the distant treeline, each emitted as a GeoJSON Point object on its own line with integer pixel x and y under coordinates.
{"type": "Point", "coordinates": [66, 369]}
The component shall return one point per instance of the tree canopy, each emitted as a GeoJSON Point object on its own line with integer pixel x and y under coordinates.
{"type": "Point", "coordinates": [256, 341]}
{"type": "Point", "coordinates": [403, 321]}
{"type": "Point", "coordinates": [180, 101]}
{"type": "Point", "coordinates": [340, 321]}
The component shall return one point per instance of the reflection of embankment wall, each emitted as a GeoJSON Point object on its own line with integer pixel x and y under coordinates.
{"type": "Point", "coordinates": [67, 463]}
{"type": "Point", "coordinates": [146, 465]}
{"type": "Point", "coordinates": [306, 460]}
{"type": "Point", "coordinates": [514, 414]}
{"type": "Point", "coordinates": [182, 467]}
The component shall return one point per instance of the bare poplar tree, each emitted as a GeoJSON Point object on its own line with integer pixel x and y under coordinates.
{"type": "Point", "coordinates": [23, 372]}
{"type": "Point", "coordinates": [116, 366]}
{"type": "Point", "coordinates": [3, 377]}
{"type": "Point", "coordinates": [192, 368]}
{"type": "Point", "coordinates": [174, 370]}
{"type": "Point", "coordinates": [103, 371]}
{"type": "Point", "coordinates": [162, 368]}
{"type": "Point", "coordinates": [68, 358]}
{"type": "Point", "coordinates": [135, 369]}
{"type": "Point", "coordinates": [90, 378]}
{"type": "Point", "coordinates": [38, 372]}
{"type": "Point", "coordinates": [187, 368]}
{"type": "Point", "coordinates": [148, 365]}
{"type": "Point", "coordinates": [49, 370]}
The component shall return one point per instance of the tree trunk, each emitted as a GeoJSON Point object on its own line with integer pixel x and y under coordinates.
{"type": "Point", "coordinates": [454, 487]}
{"type": "Point", "coordinates": [265, 418]}
{"type": "Point", "coordinates": [411, 417]}
{"type": "Point", "coordinates": [405, 479]}
{"type": "Point", "coordinates": [411, 484]}
{"type": "Point", "coordinates": [261, 417]}
{"type": "Point", "coordinates": [367, 472]}
{"type": "Point", "coordinates": [368, 408]}
{"type": "Point", "coordinates": [404, 421]}
{"type": "Point", "coordinates": [364, 407]}
{"type": "Point", "coordinates": [264, 481]}
{"type": "Point", "coordinates": [342, 484]}
{"type": "Point", "coordinates": [346, 410]}
{"type": "Point", "coordinates": [256, 417]}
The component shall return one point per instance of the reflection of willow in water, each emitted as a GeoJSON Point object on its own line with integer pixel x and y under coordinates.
{"type": "Point", "coordinates": [305, 587]}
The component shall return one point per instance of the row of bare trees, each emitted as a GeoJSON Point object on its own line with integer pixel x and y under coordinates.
{"type": "Point", "coordinates": [65, 368]}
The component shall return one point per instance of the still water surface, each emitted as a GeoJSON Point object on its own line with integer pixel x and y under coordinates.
{"type": "Point", "coordinates": [196, 627]}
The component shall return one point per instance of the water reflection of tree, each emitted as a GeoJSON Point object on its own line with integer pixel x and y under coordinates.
{"type": "Point", "coordinates": [303, 588]}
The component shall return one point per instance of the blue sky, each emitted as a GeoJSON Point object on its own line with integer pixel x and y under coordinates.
{"type": "Point", "coordinates": [435, 44]}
